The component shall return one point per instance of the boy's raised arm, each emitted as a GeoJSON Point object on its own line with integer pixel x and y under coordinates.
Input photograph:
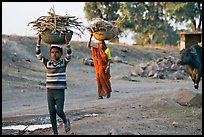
{"type": "Point", "coordinates": [68, 48]}
{"type": "Point", "coordinates": [38, 51]}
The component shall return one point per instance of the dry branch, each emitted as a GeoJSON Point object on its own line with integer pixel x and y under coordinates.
{"type": "Point", "coordinates": [56, 23]}
{"type": "Point", "coordinates": [99, 24]}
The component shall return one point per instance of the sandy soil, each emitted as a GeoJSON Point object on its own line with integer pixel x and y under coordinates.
{"type": "Point", "coordinates": [144, 106]}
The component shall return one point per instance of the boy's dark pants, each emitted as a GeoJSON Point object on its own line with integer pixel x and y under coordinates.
{"type": "Point", "coordinates": [56, 97]}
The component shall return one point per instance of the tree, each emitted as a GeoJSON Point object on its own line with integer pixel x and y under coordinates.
{"type": "Point", "coordinates": [150, 22]}
{"type": "Point", "coordinates": [147, 20]}
{"type": "Point", "coordinates": [186, 12]}
{"type": "Point", "coordinates": [104, 10]}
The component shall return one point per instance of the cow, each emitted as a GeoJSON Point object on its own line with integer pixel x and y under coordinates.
{"type": "Point", "coordinates": [192, 58]}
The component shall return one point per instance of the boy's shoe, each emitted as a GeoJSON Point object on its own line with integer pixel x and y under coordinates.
{"type": "Point", "coordinates": [108, 94]}
{"type": "Point", "coordinates": [67, 126]}
{"type": "Point", "coordinates": [100, 97]}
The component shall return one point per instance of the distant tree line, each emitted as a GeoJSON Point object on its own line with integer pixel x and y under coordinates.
{"type": "Point", "coordinates": [150, 22]}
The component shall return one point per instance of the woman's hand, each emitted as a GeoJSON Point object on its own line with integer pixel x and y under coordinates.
{"type": "Point", "coordinates": [89, 42]}
{"type": "Point", "coordinates": [106, 70]}
{"type": "Point", "coordinates": [39, 39]}
{"type": "Point", "coordinates": [91, 35]}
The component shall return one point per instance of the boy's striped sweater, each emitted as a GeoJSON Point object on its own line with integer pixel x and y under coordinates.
{"type": "Point", "coordinates": [56, 71]}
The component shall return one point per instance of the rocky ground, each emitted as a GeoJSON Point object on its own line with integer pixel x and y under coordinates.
{"type": "Point", "coordinates": [143, 101]}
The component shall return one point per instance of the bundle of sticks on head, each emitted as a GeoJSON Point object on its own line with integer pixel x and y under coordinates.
{"type": "Point", "coordinates": [101, 29]}
{"type": "Point", "coordinates": [56, 24]}
{"type": "Point", "coordinates": [99, 24]}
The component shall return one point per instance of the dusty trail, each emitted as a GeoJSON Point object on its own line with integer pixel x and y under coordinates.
{"type": "Point", "coordinates": [143, 106]}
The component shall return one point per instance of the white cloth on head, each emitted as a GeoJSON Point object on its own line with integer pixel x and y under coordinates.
{"type": "Point", "coordinates": [56, 45]}
{"type": "Point", "coordinates": [95, 45]}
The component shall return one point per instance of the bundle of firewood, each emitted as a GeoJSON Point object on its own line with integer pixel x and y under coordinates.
{"type": "Point", "coordinates": [99, 24]}
{"type": "Point", "coordinates": [102, 30]}
{"type": "Point", "coordinates": [56, 23]}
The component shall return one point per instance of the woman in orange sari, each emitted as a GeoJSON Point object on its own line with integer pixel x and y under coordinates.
{"type": "Point", "coordinates": [101, 57]}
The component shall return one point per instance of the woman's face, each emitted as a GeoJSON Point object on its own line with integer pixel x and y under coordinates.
{"type": "Point", "coordinates": [103, 44]}
{"type": "Point", "coordinates": [55, 54]}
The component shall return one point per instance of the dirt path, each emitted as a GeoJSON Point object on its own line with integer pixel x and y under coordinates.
{"type": "Point", "coordinates": [144, 106]}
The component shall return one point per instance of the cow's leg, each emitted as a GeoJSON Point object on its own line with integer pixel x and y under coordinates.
{"type": "Point", "coordinates": [197, 78]}
{"type": "Point", "coordinates": [196, 83]}
{"type": "Point", "coordinates": [191, 73]}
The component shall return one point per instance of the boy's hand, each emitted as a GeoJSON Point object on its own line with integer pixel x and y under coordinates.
{"type": "Point", "coordinates": [67, 41]}
{"type": "Point", "coordinates": [39, 39]}
{"type": "Point", "coordinates": [66, 38]}
{"type": "Point", "coordinates": [69, 51]}
{"type": "Point", "coordinates": [68, 45]}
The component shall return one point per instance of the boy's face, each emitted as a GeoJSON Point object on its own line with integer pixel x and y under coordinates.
{"type": "Point", "coordinates": [55, 54]}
